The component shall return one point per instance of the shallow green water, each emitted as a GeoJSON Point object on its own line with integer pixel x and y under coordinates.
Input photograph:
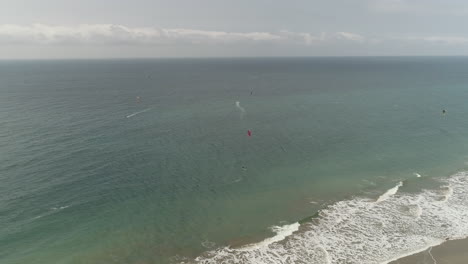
{"type": "Point", "coordinates": [91, 174]}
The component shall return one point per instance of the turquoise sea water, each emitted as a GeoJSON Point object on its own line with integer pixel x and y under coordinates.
{"type": "Point", "coordinates": [149, 161]}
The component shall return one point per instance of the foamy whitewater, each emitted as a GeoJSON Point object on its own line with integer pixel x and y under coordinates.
{"type": "Point", "coordinates": [365, 231]}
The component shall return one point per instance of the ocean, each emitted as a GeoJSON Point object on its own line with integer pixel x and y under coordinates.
{"type": "Point", "coordinates": [349, 160]}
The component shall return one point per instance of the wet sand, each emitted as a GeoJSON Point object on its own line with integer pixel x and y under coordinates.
{"type": "Point", "coordinates": [453, 252]}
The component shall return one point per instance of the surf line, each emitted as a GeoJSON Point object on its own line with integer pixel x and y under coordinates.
{"type": "Point", "coordinates": [136, 113]}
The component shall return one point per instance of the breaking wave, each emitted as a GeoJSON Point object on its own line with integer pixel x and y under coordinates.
{"type": "Point", "coordinates": [389, 193]}
{"type": "Point", "coordinates": [281, 233]}
{"type": "Point", "coordinates": [363, 230]}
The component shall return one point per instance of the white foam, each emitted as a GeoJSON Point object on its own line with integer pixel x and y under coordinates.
{"type": "Point", "coordinates": [364, 231]}
{"type": "Point", "coordinates": [281, 233]}
{"type": "Point", "coordinates": [417, 175]}
{"type": "Point", "coordinates": [446, 192]}
{"type": "Point", "coordinates": [430, 254]}
{"type": "Point", "coordinates": [137, 113]}
{"type": "Point", "coordinates": [390, 192]}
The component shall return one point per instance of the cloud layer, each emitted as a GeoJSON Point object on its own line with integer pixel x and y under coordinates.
{"type": "Point", "coordinates": [110, 34]}
{"type": "Point", "coordinates": [113, 40]}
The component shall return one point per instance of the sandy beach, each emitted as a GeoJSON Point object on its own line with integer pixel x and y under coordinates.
{"type": "Point", "coordinates": [453, 252]}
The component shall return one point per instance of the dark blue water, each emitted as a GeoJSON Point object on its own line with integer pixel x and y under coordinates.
{"type": "Point", "coordinates": [149, 161]}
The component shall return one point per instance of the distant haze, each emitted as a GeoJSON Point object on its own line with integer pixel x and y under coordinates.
{"type": "Point", "coordinates": [221, 28]}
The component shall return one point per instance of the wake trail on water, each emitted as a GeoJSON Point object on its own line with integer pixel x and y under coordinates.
{"type": "Point", "coordinates": [241, 109]}
{"type": "Point", "coordinates": [363, 230]}
{"type": "Point", "coordinates": [137, 113]}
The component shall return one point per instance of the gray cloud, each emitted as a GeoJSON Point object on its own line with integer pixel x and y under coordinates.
{"type": "Point", "coordinates": [182, 28]}
{"type": "Point", "coordinates": [110, 34]}
{"type": "Point", "coordinates": [114, 40]}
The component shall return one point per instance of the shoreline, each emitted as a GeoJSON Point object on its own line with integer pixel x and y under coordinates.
{"type": "Point", "coordinates": [451, 251]}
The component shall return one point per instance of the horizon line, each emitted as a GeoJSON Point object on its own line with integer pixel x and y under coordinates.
{"type": "Point", "coordinates": [228, 57]}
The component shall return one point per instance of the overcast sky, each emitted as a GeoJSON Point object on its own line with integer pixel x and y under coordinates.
{"type": "Point", "coordinates": [221, 28]}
